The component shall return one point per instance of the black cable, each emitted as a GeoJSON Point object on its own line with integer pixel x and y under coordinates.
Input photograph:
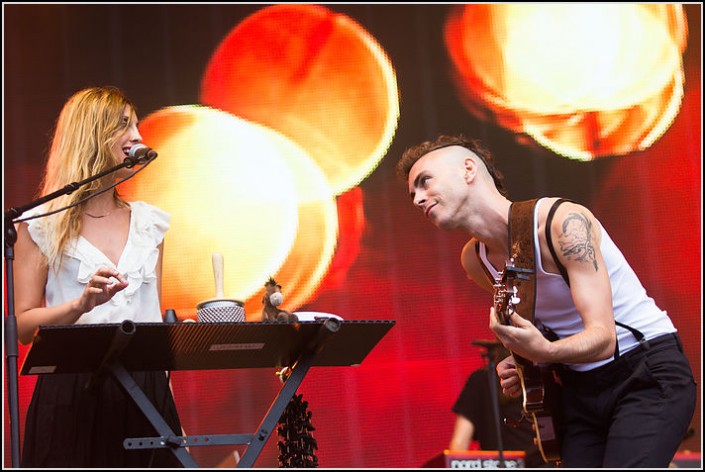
{"type": "Point", "coordinates": [93, 195]}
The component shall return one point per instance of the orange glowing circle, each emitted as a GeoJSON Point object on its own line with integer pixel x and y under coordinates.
{"type": "Point", "coordinates": [316, 236]}
{"type": "Point", "coordinates": [315, 76]}
{"type": "Point", "coordinates": [585, 80]}
{"type": "Point", "coordinates": [229, 189]}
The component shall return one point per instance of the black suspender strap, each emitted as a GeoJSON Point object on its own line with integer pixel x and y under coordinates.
{"type": "Point", "coordinates": [643, 342]}
{"type": "Point", "coordinates": [549, 240]}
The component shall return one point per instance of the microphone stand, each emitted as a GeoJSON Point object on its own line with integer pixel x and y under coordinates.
{"type": "Point", "coordinates": [491, 354]}
{"type": "Point", "coordinates": [11, 338]}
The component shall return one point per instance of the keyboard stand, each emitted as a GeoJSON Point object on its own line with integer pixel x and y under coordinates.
{"type": "Point", "coordinates": [117, 349]}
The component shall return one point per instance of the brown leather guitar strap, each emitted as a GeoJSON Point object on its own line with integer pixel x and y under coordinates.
{"type": "Point", "coordinates": [521, 250]}
{"type": "Point", "coordinates": [538, 385]}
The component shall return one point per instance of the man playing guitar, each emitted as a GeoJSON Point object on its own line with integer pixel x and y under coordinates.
{"type": "Point", "coordinates": [624, 370]}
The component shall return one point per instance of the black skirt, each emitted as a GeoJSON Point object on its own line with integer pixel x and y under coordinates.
{"type": "Point", "coordinates": [70, 425]}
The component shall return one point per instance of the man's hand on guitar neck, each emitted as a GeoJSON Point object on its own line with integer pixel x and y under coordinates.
{"type": "Point", "coordinates": [521, 337]}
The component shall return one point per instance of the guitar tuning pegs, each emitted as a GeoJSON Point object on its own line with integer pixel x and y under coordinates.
{"type": "Point", "coordinates": [515, 300]}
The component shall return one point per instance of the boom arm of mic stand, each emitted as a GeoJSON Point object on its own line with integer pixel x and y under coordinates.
{"type": "Point", "coordinates": [15, 212]}
{"type": "Point", "coordinates": [11, 337]}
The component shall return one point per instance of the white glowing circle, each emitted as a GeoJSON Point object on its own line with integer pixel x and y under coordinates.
{"type": "Point", "coordinates": [228, 188]}
{"type": "Point", "coordinates": [612, 56]}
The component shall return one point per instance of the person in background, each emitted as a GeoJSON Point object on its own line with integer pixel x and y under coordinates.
{"type": "Point", "coordinates": [475, 419]}
{"type": "Point", "coordinates": [99, 261]}
{"type": "Point", "coordinates": [628, 392]}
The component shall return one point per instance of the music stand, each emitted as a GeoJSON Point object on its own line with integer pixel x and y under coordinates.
{"type": "Point", "coordinates": [117, 349]}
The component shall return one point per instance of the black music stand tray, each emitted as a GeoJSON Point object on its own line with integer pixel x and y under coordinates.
{"type": "Point", "coordinates": [120, 348]}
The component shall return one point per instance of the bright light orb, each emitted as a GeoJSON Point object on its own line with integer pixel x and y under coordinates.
{"type": "Point", "coordinates": [310, 256]}
{"type": "Point", "coordinates": [584, 80]}
{"type": "Point", "coordinates": [315, 76]}
{"type": "Point", "coordinates": [228, 187]}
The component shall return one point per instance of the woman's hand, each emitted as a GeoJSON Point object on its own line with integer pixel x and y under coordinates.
{"type": "Point", "coordinates": [101, 287]}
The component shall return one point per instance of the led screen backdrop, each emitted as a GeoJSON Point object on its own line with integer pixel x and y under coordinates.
{"type": "Point", "coordinates": [278, 129]}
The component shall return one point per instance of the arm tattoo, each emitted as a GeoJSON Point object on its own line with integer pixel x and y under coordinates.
{"type": "Point", "coordinates": [576, 239]}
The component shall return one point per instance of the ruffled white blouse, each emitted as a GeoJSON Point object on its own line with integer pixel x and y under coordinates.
{"type": "Point", "coordinates": [139, 301]}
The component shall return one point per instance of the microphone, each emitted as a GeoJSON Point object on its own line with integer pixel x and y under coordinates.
{"type": "Point", "coordinates": [486, 343]}
{"type": "Point", "coordinates": [493, 346]}
{"type": "Point", "coordinates": [139, 154]}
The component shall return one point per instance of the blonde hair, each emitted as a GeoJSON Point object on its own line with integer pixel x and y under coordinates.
{"type": "Point", "coordinates": [89, 124]}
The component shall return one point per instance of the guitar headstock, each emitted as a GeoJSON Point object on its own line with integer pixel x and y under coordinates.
{"type": "Point", "coordinates": [505, 290]}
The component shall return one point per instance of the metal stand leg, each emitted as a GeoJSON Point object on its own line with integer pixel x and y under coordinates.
{"type": "Point", "coordinates": [171, 440]}
{"type": "Point", "coordinates": [287, 391]}
{"type": "Point", "coordinates": [255, 442]}
{"type": "Point", "coordinates": [269, 423]}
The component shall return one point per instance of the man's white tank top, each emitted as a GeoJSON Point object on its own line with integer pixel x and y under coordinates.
{"type": "Point", "coordinates": [556, 310]}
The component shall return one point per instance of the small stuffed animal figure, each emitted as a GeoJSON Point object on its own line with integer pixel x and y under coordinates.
{"type": "Point", "coordinates": [271, 299]}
